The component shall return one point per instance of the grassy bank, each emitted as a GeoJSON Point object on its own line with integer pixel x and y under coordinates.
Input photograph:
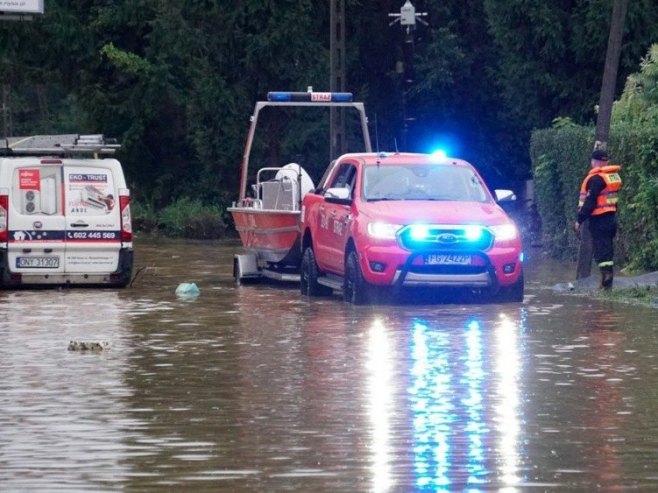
{"type": "Point", "coordinates": [645, 295]}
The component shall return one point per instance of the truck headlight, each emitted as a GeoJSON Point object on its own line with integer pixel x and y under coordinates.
{"type": "Point", "coordinates": [383, 231]}
{"type": "Point", "coordinates": [473, 233]}
{"type": "Point", "coordinates": [505, 232]}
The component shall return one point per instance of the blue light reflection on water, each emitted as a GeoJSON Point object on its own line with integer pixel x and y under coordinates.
{"type": "Point", "coordinates": [465, 404]}
{"type": "Point", "coordinates": [431, 406]}
{"type": "Point", "coordinates": [473, 382]}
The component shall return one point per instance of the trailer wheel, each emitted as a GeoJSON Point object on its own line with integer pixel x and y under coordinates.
{"type": "Point", "coordinates": [309, 285]}
{"type": "Point", "coordinates": [237, 274]}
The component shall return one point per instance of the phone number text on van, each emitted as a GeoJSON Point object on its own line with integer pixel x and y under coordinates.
{"type": "Point", "coordinates": [93, 235]}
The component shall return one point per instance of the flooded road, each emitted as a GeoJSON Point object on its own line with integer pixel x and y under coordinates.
{"type": "Point", "coordinates": [254, 388]}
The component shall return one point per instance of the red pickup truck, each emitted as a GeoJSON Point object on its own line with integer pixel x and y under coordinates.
{"type": "Point", "coordinates": [379, 221]}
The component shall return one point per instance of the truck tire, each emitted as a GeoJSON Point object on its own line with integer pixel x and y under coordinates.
{"type": "Point", "coordinates": [513, 293]}
{"type": "Point", "coordinates": [308, 284]}
{"type": "Point", "coordinates": [355, 287]}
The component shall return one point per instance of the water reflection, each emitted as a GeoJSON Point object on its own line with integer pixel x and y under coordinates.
{"type": "Point", "coordinates": [603, 377]}
{"type": "Point", "coordinates": [254, 388]}
{"type": "Point", "coordinates": [508, 419]}
{"type": "Point", "coordinates": [379, 365]}
{"type": "Point", "coordinates": [63, 417]}
{"type": "Point", "coordinates": [463, 399]}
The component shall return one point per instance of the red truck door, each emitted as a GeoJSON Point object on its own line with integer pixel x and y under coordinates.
{"type": "Point", "coordinates": [334, 221]}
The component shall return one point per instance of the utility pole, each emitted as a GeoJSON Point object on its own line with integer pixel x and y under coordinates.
{"type": "Point", "coordinates": [7, 130]}
{"type": "Point", "coordinates": [606, 99]}
{"type": "Point", "coordinates": [337, 138]}
{"type": "Point", "coordinates": [407, 19]}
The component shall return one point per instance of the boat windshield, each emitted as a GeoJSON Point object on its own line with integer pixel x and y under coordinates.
{"type": "Point", "coordinates": [423, 182]}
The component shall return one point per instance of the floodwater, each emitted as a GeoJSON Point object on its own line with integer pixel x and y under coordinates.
{"type": "Point", "coordinates": [256, 389]}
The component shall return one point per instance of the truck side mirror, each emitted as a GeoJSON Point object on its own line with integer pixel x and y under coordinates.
{"type": "Point", "coordinates": [505, 196]}
{"type": "Point", "coordinates": [339, 195]}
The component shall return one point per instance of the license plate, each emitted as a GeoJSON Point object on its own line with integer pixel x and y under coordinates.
{"type": "Point", "coordinates": [440, 259]}
{"type": "Point", "coordinates": [37, 262]}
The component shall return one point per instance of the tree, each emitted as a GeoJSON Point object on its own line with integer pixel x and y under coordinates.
{"type": "Point", "coordinates": [176, 81]}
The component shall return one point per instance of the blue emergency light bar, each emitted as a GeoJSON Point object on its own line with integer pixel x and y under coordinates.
{"type": "Point", "coordinates": [315, 97]}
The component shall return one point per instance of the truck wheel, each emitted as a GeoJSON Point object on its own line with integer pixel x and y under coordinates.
{"type": "Point", "coordinates": [355, 287]}
{"type": "Point", "coordinates": [309, 285]}
{"type": "Point", "coordinates": [513, 293]}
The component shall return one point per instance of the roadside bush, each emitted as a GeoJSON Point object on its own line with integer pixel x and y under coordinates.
{"type": "Point", "coordinates": [144, 217]}
{"type": "Point", "coordinates": [560, 160]}
{"type": "Point", "coordinates": [185, 218]}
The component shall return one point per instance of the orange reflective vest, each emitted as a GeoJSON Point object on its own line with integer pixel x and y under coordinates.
{"type": "Point", "coordinates": [607, 199]}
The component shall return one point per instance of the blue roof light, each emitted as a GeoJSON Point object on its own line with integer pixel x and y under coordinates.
{"type": "Point", "coordinates": [439, 155]}
{"type": "Point", "coordinates": [341, 97]}
{"type": "Point", "coordinates": [278, 96]}
{"type": "Point", "coordinates": [315, 97]}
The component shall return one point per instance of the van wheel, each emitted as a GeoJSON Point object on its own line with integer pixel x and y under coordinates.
{"type": "Point", "coordinates": [309, 285]}
{"type": "Point", "coordinates": [355, 287]}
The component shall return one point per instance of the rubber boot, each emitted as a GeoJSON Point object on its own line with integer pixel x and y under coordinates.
{"type": "Point", "coordinates": [606, 278]}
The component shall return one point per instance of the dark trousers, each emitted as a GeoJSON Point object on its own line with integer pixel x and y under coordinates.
{"type": "Point", "coordinates": [603, 229]}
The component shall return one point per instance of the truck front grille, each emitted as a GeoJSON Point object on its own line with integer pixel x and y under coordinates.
{"type": "Point", "coordinates": [445, 238]}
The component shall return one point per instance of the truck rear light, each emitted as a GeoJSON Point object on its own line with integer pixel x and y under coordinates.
{"type": "Point", "coordinates": [126, 223]}
{"type": "Point", "coordinates": [4, 207]}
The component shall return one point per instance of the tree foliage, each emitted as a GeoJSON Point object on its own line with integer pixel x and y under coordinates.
{"type": "Point", "coordinates": [638, 104]}
{"type": "Point", "coordinates": [177, 81]}
{"type": "Point", "coordinates": [559, 157]}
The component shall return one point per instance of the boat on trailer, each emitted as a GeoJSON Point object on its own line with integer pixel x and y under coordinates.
{"type": "Point", "coordinates": [267, 217]}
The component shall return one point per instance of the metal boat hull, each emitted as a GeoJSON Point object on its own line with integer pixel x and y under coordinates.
{"type": "Point", "coordinates": [271, 235]}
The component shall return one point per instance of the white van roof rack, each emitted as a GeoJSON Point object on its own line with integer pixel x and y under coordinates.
{"type": "Point", "coordinates": [58, 144]}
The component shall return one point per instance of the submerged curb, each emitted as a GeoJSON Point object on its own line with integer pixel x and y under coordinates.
{"type": "Point", "coordinates": [641, 290]}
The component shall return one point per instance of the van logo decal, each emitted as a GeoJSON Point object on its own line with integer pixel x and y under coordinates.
{"type": "Point", "coordinates": [35, 235]}
{"type": "Point", "coordinates": [37, 224]}
{"type": "Point", "coordinates": [88, 177]}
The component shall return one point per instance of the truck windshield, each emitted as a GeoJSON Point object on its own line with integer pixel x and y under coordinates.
{"type": "Point", "coordinates": [422, 182]}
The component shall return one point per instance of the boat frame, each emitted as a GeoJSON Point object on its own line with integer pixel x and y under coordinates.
{"type": "Point", "coordinates": [269, 223]}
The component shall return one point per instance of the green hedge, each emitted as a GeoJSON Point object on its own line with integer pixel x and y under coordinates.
{"type": "Point", "coordinates": [185, 218]}
{"type": "Point", "coordinates": [560, 160]}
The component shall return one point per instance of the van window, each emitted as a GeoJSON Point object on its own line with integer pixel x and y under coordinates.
{"type": "Point", "coordinates": [36, 190]}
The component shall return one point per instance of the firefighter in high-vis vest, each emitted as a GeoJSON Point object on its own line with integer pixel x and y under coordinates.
{"type": "Point", "coordinates": [598, 203]}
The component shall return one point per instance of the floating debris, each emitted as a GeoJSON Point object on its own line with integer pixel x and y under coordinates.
{"type": "Point", "coordinates": [88, 346]}
{"type": "Point", "coordinates": [187, 290]}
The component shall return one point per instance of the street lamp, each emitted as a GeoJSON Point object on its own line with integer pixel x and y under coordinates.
{"type": "Point", "coordinates": [407, 19]}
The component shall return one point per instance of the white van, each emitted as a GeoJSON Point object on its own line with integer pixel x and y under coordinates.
{"type": "Point", "coordinates": [64, 212]}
